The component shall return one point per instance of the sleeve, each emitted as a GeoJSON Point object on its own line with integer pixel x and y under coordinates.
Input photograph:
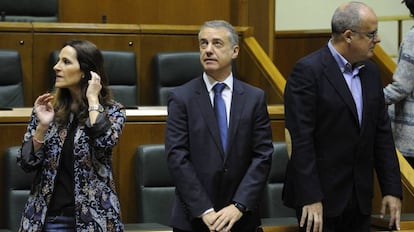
{"type": "Point", "coordinates": [27, 159]}
{"type": "Point", "coordinates": [249, 192]}
{"type": "Point", "coordinates": [188, 186]}
{"type": "Point", "coordinates": [386, 160]}
{"type": "Point", "coordinates": [107, 129]}
{"type": "Point", "coordinates": [300, 101]}
{"type": "Point", "coordinates": [403, 78]}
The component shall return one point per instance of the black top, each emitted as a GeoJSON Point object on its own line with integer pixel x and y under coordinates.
{"type": "Point", "coordinates": [63, 199]}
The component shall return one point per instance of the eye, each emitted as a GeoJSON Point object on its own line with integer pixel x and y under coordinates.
{"type": "Point", "coordinates": [218, 44]}
{"type": "Point", "coordinates": [66, 61]}
{"type": "Point", "coordinates": [203, 43]}
{"type": "Point", "coordinates": [372, 34]}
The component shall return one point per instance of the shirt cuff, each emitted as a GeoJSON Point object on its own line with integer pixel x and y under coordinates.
{"type": "Point", "coordinates": [206, 212]}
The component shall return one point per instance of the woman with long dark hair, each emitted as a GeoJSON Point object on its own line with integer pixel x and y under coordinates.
{"type": "Point", "coordinates": [68, 143]}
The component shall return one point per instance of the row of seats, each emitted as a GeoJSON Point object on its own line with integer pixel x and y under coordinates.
{"type": "Point", "coordinates": [11, 79]}
{"type": "Point", "coordinates": [154, 185]}
{"type": "Point", "coordinates": [170, 69]}
{"type": "Point", "coordinates": [29, 10]}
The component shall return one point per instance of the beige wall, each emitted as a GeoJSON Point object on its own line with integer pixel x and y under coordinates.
{"type": "Point", "coordinates": [316, 14]}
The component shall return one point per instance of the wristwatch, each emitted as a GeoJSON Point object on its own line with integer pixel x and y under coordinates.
{"type": "Point", "coordinates": [98, 108]}
{"type": "Point", "coordinates": [240, 207]}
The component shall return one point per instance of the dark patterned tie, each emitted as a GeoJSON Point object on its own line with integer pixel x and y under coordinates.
{"type": "Point", "coordinates": [220, 110]}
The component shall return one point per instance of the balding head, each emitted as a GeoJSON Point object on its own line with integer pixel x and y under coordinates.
{"type": "Point", "coordinates": [350, 15]}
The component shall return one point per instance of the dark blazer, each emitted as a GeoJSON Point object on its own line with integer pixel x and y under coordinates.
{"type": "Point", "coordinates": [331, 152]}
{"type": "Point", "coordinates": [206, 176]}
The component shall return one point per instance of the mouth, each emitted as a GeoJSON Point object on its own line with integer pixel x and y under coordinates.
{"type": "Point", "coordinates": [209, 60]}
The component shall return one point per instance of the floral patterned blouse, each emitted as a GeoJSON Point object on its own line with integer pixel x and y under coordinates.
{"type": "Point", "coordinates": [97, 206]}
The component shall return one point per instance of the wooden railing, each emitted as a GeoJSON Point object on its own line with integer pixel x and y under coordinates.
{"type": "Point", "coordinates": [266, 66]}
{"type": "Point", "coordinates": [407, 174]}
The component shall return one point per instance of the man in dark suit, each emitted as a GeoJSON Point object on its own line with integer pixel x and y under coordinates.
{"type": "Point", "coordinates": [219, 181]}
{"type": "Point", "coordinates": [340, 130]}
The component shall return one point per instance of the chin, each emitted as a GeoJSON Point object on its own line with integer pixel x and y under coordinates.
{"type": "Point", "coordinates": [210, 68]}
{"type": "Point", "coordinates": [57, 85]}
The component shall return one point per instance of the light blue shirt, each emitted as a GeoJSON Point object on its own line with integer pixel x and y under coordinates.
{"type": "Point", "coordinates": [351, 75]}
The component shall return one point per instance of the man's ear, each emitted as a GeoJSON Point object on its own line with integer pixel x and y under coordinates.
{"type": "Point", "coordinates": [347, 35]}
{"type": "Point", "coordinates": [236, 49]}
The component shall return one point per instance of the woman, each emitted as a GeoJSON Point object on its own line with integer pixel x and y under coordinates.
{"type": "Point", "coordinates": [68, 143]}
{"type": "Point", "coordinates": [400, 95]}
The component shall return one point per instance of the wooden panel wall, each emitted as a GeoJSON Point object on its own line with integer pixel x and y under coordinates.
{"type": "Point", "coordinates": [290, 46]}
{"type": "Point", "coordinates": [253, 13]}
{"type": "Point", "coordinates": [181, 12]}
{"type": "Point", "coordinates": [41, 39]}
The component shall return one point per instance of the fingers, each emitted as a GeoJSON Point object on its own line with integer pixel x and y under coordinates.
{"type": "Point", "coordinates": [394, 206]}
{"type": "Point", "coordinates": [226, 218]}
{"type": "Point", "coordinates": [395, 216]}
{"type": "Point", "coordinates": [312, 215]}
{"type": "Point", "coordinates": [395, 219]}
{"type": "Point", "coordinates": [94, 87]}
{"type": "Point", "coordinates": [209, 219]}
{"type": "Point", "coordinates": [321, 224]}
{"type": "Point", "coordinates": [44, 100]}
{"type": "Point", "coordinates": [309, 223]}
{"type": "Point", "coordinates": [304, 216]}
{"type": "Point", "coordinates": [95, 76]}
{"type": "Point", "coordinates": [383, 207]}
{"type": "Point", "coordinates": [46, 97]}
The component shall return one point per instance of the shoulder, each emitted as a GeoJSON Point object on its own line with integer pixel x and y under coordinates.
{"type": "Point", "coordinates": [249, 91]}
{"type": "Point", "coordinates": [243, 86]}
{"type": "Point", "coordinates": [313, 63]}
{"type": "Point", "coordinates": [317, 56]}
{"type": "Point", "coordinates": [189, 88]}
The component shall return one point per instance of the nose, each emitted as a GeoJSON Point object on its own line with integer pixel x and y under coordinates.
{"type": "Point", "coordinates": [56, 66]}
{"type": "Point", "coordinates": [209, 47]}
{"type": "Point", "coordinates": [377, 39]}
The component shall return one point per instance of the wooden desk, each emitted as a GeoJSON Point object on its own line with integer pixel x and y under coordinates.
{"type": "Point", "coordinates": [144, 125]}
{"type": "Point", "coordinates": [406, 224]}
{"type": "Point", "coordinates": [147, 227]}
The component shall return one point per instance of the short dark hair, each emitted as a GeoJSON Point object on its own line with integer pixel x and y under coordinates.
{"type": "Point", "coordinates": [410, 6]}
{"type": "Point", "coordinates": [233, 36]}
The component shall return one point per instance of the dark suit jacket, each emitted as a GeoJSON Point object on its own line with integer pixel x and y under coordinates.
{"type": "Point", "coordinates": [331, 152]}
{"type": "Point", "coordinates": [206, 176]}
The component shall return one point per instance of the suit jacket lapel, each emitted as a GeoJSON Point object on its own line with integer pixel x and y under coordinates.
{"type": "Point", "coordinates": [336, 78]}
{"type": "Point", "coordinates": [236, 109]}
{"type": "Point", "coordinates": [207, 111]}
{"type": "Point", "coordinates": [364, 87]}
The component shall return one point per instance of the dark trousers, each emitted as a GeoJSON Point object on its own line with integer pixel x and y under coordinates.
{"type": "Point", "coordinates": [197, 225]}
{"type": "Point", "coordinates": [59, 224]}
{"type": "Point", "coordinates": [351, 219]}
{"type": "Point", "coordinates": [178, 230]}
